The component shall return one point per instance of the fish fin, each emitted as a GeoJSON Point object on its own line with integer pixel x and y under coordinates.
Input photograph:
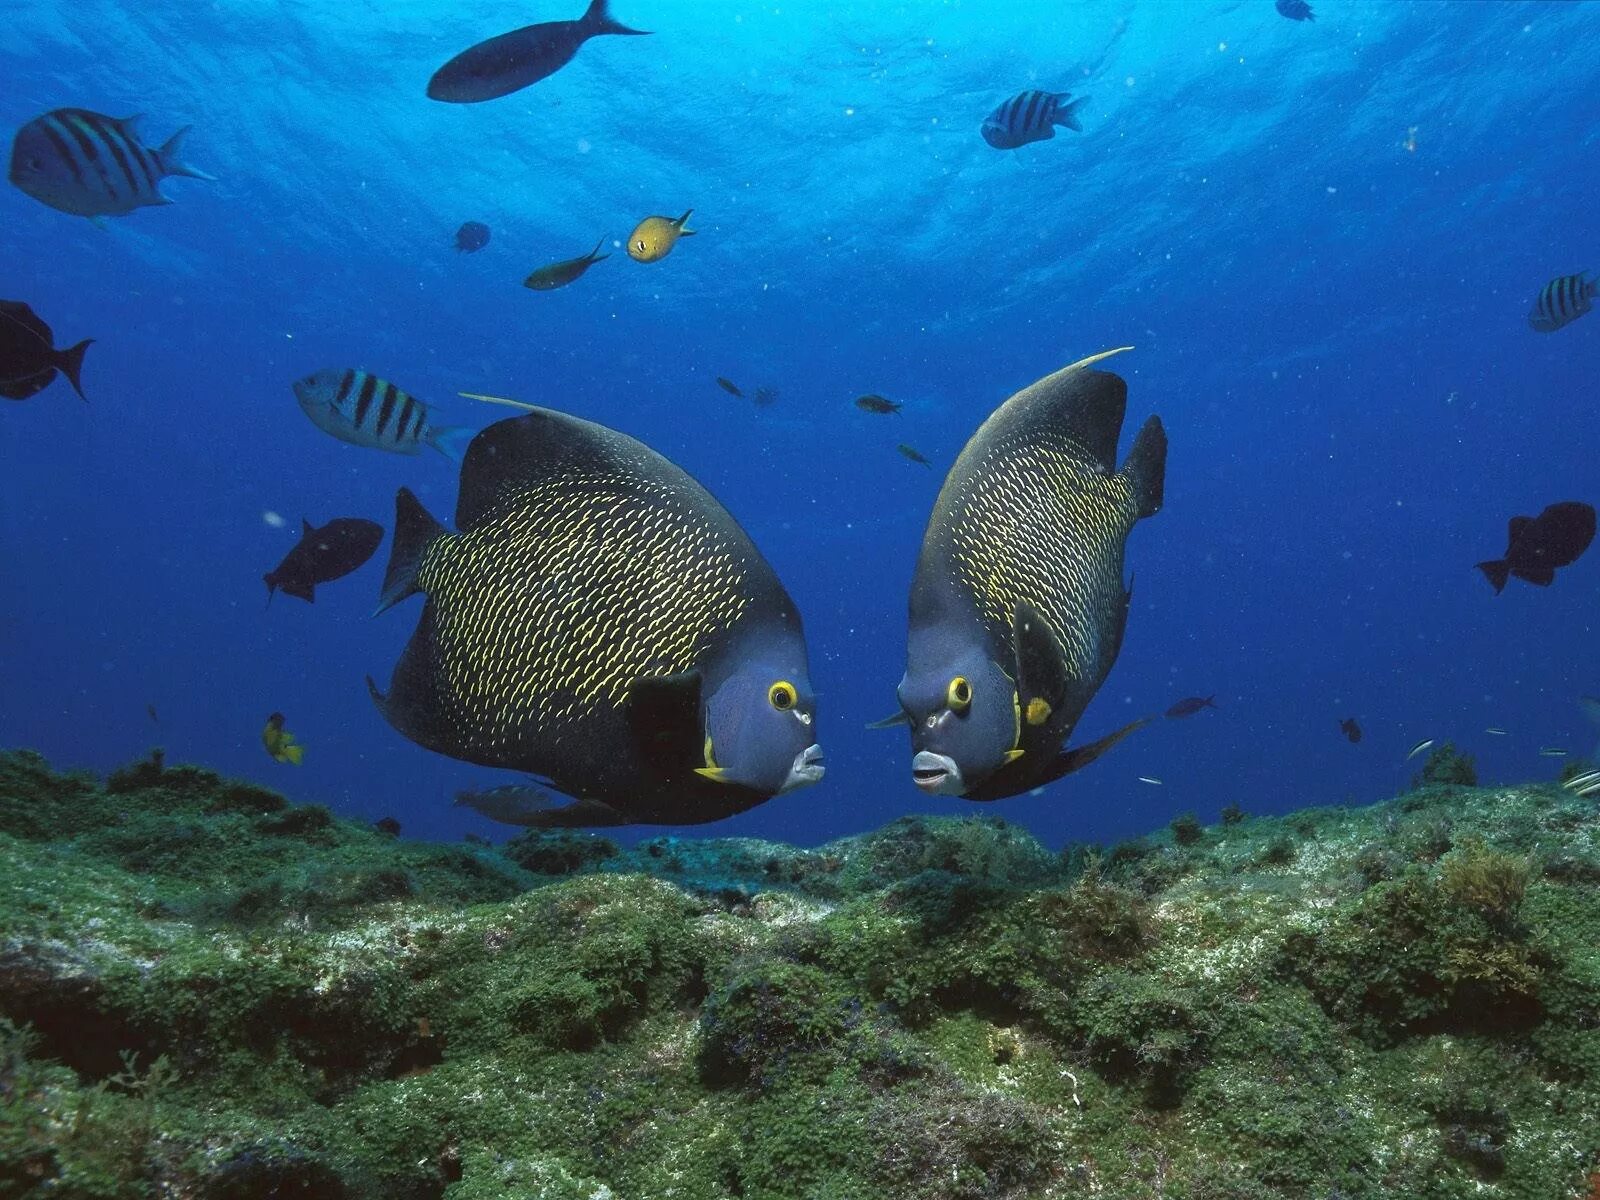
{"type": "Point", "coordinates": [1146, 467]}
{"type": "Point", "coordinates": [506, 400]}
{"type": "Point", "coordinates": [306, 528]}
{"type": "Point", "coordinates": [414, 531]}
{"type": "Point", "coordinates": [1067, 114]}
{"type": "Point", "coordinates": [1086, 406]}
{"type": "Point", "coordinates": [167, 158]}
{"type": "Point", "coordinates": [682, 224]}
{"type": "Point", "coordinates": [293, 753]}
{"type": "Point", "coordinates": [130, 126]}
{"type": "Point", "coordinates": [512, 455]}
{"type": "Point", "coordinates": [451, 440]}
{"type": "Point", "coordinates": [664, 717]}
{"type": "Point", "coordinates": [300, 591]}
{"type": "Point", "coordinates": [1538, 576]}
{"type": "Point", "coordinates": [71, 363]}
{"type": "Point", "coordinates": [595, 255]}
{"type": "Point", "coordinates": [580, 814]}
{"type": "Point", "coordinates": [1516, 527]}
{"type": "Point", "coordinates": [103, 225]}
{"type": "Point", "coordinates": [597, 19]}
{"type": "Point", "coordinates": [1496, 572]}
{"type": "Point", "coordinates": [1041, 667]}
{"type": "Point", "coordinates": [899, 718]}
{"type": "Point", "coordinates": [1079, 757]}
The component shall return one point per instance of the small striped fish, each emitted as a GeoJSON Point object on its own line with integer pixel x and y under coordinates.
{"type": "Point", "coordinates": [1031, 117]}
{"type": "Point", "coordinates": [366, 411]}
{"type": "Point", "coordinates": [92, 165]}
{"type": "Point", "coordinates": [1561, 302]}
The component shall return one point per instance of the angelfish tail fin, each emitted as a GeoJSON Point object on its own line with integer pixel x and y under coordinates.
{"type": "Point", "coordinates": [597, 19]}
{"type": "Point", "coordinates": [414, 531]}
{"type": "Point", "coordinates": [1146, 467]}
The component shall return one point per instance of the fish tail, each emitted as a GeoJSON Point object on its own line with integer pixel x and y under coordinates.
{"type": "Point", "coordinates": [71, 362]}
{"type": "Point", "coordinates": [682, 223]}
{"type": "Point", "coordinates": [1146, 467]}
{"type": "Point", "coordinates": [450, 440]}
{"type": "Point", "coordinates": [168, 158]}
{"type": "Point", "coordinates": [595, 255]}
{"type": "Point", "coordinates": [414, 531]}
{"type": "Point", "coordinates": [1496, 572]}
{"type": "Point", "coordinates": [293, 753]}
{"type": "Point", "coordinates": [598, 20]}
{"type": "Point", "coordinates": [1067, 114]}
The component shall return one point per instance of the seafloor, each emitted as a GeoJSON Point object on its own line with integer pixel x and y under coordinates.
{"type": "Point", "coordinates": [208, 992]}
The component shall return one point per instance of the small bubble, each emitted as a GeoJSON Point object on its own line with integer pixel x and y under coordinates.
{"type": "Point", "coordinates": [273, 519]}
{"type": "Point", "coordinates": [1222, 47]}
{"type": "Point", "coordinates": [583, 146]}
{"type": "Point", "coordinates": [1128, 81]}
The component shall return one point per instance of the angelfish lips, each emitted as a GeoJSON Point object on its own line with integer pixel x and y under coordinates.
{"type": "Point", "coordinates": [806, 769]}
{"type": "Point", "coordinates": [937, 774]}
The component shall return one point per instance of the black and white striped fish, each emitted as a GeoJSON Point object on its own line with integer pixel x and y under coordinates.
{"type": "Point", "coordinates": [1031, 117]}
{"type": "Point", "coordinates": [366, 411]}
{"type": "Point", "coordinates": [92, 165]}
{"type": "Point", "coordinates": [1561, 302]}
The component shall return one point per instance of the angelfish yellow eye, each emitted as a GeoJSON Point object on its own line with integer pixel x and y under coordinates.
{"type": "Point", "coordinates": [958, 696]}
{"type": "Point", "coordinates": [782, 695]}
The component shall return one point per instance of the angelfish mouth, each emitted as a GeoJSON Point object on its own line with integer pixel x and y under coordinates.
{"type": "Point", "coordinates": [806, 769]}
{"type": "Point", "coordinates": [937, 774]}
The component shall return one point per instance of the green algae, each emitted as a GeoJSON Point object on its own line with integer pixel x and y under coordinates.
{"type": "Point", "coordinates": [208, 991]}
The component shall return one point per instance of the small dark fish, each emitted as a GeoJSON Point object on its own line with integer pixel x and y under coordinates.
{"type": "Point", "coordinates": [387, 825]}
{"type": "Point", "coordinates": [280, 742]}
{"type": "Point", "coordinates": [28, 357]}
{"type": "Point", "coordinates": [1031, 117]}
{"type": "Point", "coordinates": [324, 555]}
{"type": "Point", "coordinates": [472, 237]}
{"type": "Point", "coordinates": [1424, 744]}
{"type": "Point", "coordinates": [877, 404]}
{"type": "Point", "coordinates": [514, 60]}
{"type": "Point", "coordinates": [151, 709]}
{"type": "Point", "coordinates": [1350, 729]}
{"type": "Point", "coordinates": [1295, 10]}
{"type": "Point", "coordinates": [547, 279]}
{"type": "Point", "coordinates": [912, 454]}
{"type": "Point", "coordinates": [1537, 546]}
{"type": "Point", "coordinates": [729, 386]}
{"type": "Point", "coordinates": [764, 396]}
{"type": "Point", "coordinates": [1561, 302]}
{"type": "Point", "coordinates": [1188, 707]}
{"type": "Point", "coordinates": [91, 165]}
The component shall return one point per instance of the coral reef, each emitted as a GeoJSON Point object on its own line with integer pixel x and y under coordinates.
{"type": "Point", "coordinates": [206, 991]}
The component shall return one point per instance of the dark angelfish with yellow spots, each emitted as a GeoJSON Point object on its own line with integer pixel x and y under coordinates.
{"type": "Point", "coordinates": [1018, 604]}
{"type": "Point", "coordinates": [601, 622]}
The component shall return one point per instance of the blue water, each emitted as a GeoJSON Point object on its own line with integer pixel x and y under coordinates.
{"type": "Point", "coordinates": [1322, 238]}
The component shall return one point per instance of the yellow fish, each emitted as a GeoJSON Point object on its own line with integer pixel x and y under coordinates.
{"type": "Point", "coordinates": [655, 237]}
{"type": "Point", "coordinates": [280, 742]}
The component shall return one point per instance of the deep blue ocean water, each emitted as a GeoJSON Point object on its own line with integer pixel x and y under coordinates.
{"type": "Point", "coordinates": [1322, 238]}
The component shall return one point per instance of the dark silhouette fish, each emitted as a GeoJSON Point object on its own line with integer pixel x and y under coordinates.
{"type": "Point", "coordinates": [1350, 729]}
{"type": "Point", "coordinates": [512, 61]}
{"type": "Point", "coordinates": [92, 165]}
{"type": "Point", "coordinates": [324, 555]}
{"type": "Point", "coordinates": [472, 237]}
{"type": "Point", "coordinates": [1188, 707]}
{"type": "Point", "coordinates": [764, 397]}
{"type": "Point", "coordinates": [729, 386]}
{"type": "Point", "coordinates": [1561, 302]}
{"type": "Point", "coordinates": [912, 454]}
{"type": "Point", "coordinates": [1537, 546]}
{"type": "Point", "coordinates": [600, 622]}
{"type": "Point", "coordinates": [547, 279]}
{"type": "Point", "coordinates": [1031, 117]}
{"type": "Point", "coordinates": [1018, 604]}
{"type": "Point", "coordinates": [877, 404]}
{"type": "Point", "coordinates": [1295, 10]}
{"type": "Point", "coordinates": [28, 357]}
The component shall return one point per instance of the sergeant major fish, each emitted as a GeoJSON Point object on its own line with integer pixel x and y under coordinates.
{"type": "Point", "coordinates": [91, 165]}
{"type": "Point", "coordinates": [599, 621]}
{"type": "Point", "coordinates": [512, 61]}
{"type": "Point", "coordinates": [366, 411]}
{"type": "Point", "coordinates": [1562, 301]}
{"type": "Point", "coordinates": [1031, 117]}
{"type": "Point", "coordinates": [1018, 604]}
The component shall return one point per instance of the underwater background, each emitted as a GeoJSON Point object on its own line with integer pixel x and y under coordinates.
{"type": "Point", "coordinates": [1323, 239]}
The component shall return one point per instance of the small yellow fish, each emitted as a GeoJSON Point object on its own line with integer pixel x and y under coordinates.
{"type": "Point", "coordinates": [655, 237]}
{"type": "Point", "coordinates": [280, 742]}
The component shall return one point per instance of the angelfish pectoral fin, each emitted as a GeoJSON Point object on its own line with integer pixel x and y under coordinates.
{"type": "Point", "coordinates": [1041, 667]}
{"type": "Point", "coordinates": [899, 718]}
{"type": "Point", "coordinates": [665, 718]}
{"type": "Point", "coordinates": [1079, 757]}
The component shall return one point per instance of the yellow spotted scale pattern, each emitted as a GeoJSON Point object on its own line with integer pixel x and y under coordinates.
{"type": "Point", "coordinates": [568, 590]}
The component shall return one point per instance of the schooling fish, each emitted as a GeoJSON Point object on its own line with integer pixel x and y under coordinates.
{"type": "Point", "coordinates": [1031, 117]}
{"type": "Point", "coordinates": [512, 61]}
{"type": "Point", "coordinates": [365, 411]}
{"type": "Point", "coordinates": [472, 237]}
{"type": "Point", "coordinates": [911, 454]}
{"type": "Point", "coordinates": [280, 742]}
{"type": "Point", "coordinates": [1295, 10]}
{"type": "Point", "coordinates": [28, 357]}
{"type": "Point", "coordinates": [1537, 546]}
{"type": "Point", "coordinates": [1188, 707]}
{"type": "Point", "coordinates": [729, 386]}
{"type": "Point", "coordinates": [1350, 729]}
{"type": "Point", "coordinates": [91, 165]}
{"type": "Point", "coordinates": [547, 279]}
{"type": "Point", "coordinates": [877, 404]}
{"type": "Point", "coordinates": [1561, 302]}
{"type": "Point", "coordinates": [1018, 603]}
{"type": "Point", "coordinates": [654, 237]}
{"type": "Point", "coordinates": [599, 621]}
{"type": "Point", "coordinates": [324, 555]}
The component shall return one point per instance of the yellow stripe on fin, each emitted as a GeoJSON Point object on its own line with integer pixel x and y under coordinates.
{"type": "Point", "coordinates": [715, 774]}
{"type": "Point", "coordinates": [509, 403]}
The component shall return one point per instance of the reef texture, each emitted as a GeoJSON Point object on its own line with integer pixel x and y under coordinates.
{"type": "Point", "coordinates": [208, 992]}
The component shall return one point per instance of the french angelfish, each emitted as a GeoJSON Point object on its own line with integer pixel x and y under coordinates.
{"type": "Point", "coordinates": [323, 555]}
{"type": "Point", "coordinates": [601, 622]}
{"type": "Point", "coordinates": [92, 165]}
{"type": "Point", "coordinates": [1018, 604]}
{"type": "Point", "coordinates": [367, 411]}
{"type": "Point", "coordinates": [514, 60]}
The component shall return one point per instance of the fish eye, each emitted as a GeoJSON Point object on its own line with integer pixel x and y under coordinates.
{"type": "Point", "coordinates": [640, 243]}
{"type": "Point", "coordinates": [958, 696]}
{"type": "Point", "coordinates": [782, 695]}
